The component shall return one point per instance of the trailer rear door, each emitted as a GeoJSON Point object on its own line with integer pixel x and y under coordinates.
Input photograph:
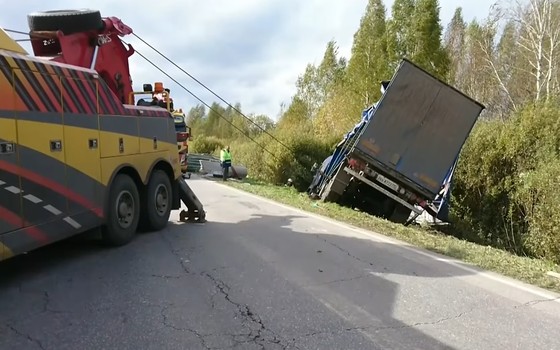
{"type": "Point", "coordinates": [419, 127]}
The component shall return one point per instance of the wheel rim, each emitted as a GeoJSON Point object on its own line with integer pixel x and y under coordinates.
{"type": "Point", "coordinates": [125, 209]}
{"type": "Point", "coordinates": [162, 200]}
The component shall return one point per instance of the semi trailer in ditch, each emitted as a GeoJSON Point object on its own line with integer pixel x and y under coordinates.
{"type": "Point", "coordinates": [76, 153]}
{"type": "Point", "coordinates": [400, 158]}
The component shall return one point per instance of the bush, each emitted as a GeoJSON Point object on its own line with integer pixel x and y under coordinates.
{"type": "Point", "coordinates": [503, 166]}
{"type": "Point", "coordinates": [538, 193]}
{"type": "Point", "coordinates": [296, 164]}
{"type": "Point", "coordinates": [206, 144]}
{"type": "Point", "coordinates": [247, 153]}
{"type": "Point", "coordinates": [284, 164]}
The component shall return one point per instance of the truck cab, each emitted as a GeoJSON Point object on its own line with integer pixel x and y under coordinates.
{"type": "Point", "coordinates": [184, 135]}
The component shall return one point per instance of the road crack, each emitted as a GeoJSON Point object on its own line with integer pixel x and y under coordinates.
{"type": "Point", "coordinates": [166, 276]}
{"type": "Point", "coordinates": [167, 323]}
{"type": "Point", "coordinates": [259, 334]}
{"type": "Point", "coordinates": [344, 251]}
{"type": "Point", "coordinates": [26, 336]}
{"type": "Point", "coordinates": [183, 261]}
{"type": "Point", "coordinates": [433, 323]}
{"type": "Point", "coordinates": [349, 279]}
{"type": "Point", "coordinates": [383, 328]}
{"type": "Point", "coordinates": [536, 302]}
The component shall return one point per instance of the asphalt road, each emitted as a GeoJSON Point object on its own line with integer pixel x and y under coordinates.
{"type": "Point", "coordinates": [259, 275]}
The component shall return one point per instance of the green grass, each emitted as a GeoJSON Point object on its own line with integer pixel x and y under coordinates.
{"type": "Point", "coordinates": [532, 271]}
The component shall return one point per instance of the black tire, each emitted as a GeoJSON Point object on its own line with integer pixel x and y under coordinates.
{"type": "Point", "coordinates": [123, 191]}
{"type": "Point", "coordinates": [68, 21]}
{"type": "Point", "coordinates": [157, 203]}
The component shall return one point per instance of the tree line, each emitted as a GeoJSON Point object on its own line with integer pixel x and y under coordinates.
{"type": "Point", "coordinates": [504, 192]}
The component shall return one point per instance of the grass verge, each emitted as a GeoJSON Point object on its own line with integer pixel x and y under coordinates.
{"type": "Point", "coordinates": [532, 271]}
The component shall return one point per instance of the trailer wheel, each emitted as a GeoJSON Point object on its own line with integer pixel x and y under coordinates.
{"type": "Point", "coordinates": [123, 211]}
{"type": "Point", "coordinates": [68, 21]}
{"type": "Point", "coordinates": [158, 201]}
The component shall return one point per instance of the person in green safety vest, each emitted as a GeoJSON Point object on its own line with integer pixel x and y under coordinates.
{"type": "Point", "coordinates": [225, 160]}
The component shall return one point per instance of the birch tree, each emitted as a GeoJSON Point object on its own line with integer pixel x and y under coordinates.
{"type": "Point", "coordinates": [539, 41]}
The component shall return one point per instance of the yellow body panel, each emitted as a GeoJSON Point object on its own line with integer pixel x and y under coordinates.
{"type": "Point", "coordinates": [38, 136]}
{"type": "Point", "coordinates": [109, 145]}
{"type": "Point", "coordinates": [9, 129]}
{"type": "Point", "coordinates": [78, 153]}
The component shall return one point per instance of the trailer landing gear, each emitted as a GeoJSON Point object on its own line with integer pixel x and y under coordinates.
{"type": "Point", "coordinates": [195, 212]}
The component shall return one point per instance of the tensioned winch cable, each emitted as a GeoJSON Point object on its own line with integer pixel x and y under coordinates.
{"type": "Point", "coordinates": [218, 113]}
{"type": "Point", "coordinates": [201, 101]}
{"type": "Point", "coordinates": [201, 84]}
{"type": "Point", "coordinates": [210, 90]}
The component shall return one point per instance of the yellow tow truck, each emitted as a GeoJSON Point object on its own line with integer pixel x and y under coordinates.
{"type": "Point", "coordinates": [76, 153]}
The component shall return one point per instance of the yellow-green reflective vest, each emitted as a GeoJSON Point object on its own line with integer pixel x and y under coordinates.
{"type": "Point", "coordinates": [225, 155]}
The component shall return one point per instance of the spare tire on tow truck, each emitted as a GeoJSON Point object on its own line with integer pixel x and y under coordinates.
{"type": "Point", "coordinates": [67, 21]}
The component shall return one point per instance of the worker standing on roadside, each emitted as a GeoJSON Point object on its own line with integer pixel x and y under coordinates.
{"type": "Point", "coordinates": [225, 160]}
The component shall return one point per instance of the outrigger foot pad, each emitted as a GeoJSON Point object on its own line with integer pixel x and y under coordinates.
{"type": "Point", "coordinates": [188, 216]}
{"type": "Point", "coordinates": [195, 212]}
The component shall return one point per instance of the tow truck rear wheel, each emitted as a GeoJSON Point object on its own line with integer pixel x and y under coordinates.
{"type": "Point", "coordinates": [68, 21]}
{"type": "Point", "coordinates": [156, 208]}
{"type": "Point", "coordinates": [123, 211]}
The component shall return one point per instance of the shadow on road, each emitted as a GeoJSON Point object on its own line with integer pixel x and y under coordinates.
{"type": "Point", "coordinates": [308, 288]}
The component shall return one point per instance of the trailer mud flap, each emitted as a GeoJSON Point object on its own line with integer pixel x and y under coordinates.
{"type": "Point", "coordinates": [195, 212]}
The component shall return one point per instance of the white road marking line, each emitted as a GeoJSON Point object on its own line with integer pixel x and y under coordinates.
{"type": "Point", "coordinates": [72, 222]}
{"type": "Point", "coordinates": [32, 198]}
{"type": "Point", "coordinates": [52, 209]}
{"type": "Point", "coordinates": [2, 183]}
{"type": "Point", "coordinates": [13, 189]}
{"type": "Point", "coordinates": [553, 297]}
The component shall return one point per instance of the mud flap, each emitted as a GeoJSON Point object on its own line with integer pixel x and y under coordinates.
{"type": "Point", "coordinates": [195, 212]}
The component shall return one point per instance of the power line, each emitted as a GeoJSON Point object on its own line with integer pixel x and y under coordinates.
{"type": "Point", "coordinates": [297, 160]}
{"type": "Point", "coordinates": [211, 91]}
{"type": "Point", "coordinates": [204, 103]}
{"type": "Point", "coordinates": [199, 82]}
{"type": "Point", "coordinates": [195, 96]}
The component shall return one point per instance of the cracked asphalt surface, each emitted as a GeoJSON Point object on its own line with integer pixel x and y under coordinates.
{"type": "Point", "coordinates": [262, 276]}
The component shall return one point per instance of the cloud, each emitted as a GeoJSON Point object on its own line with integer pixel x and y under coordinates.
{"type": "Point", "coordinates": [248, 51]}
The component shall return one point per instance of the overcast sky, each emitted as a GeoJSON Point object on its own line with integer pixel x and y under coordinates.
{"type": "Point", "coordinates": [248, 51]}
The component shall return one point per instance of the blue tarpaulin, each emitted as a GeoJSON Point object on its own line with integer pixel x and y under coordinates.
{"type": "Point", "coordinates": [342, 147]}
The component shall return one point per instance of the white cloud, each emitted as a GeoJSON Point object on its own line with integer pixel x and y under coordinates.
{"type": "Point", "coordinates": [248, 51]}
